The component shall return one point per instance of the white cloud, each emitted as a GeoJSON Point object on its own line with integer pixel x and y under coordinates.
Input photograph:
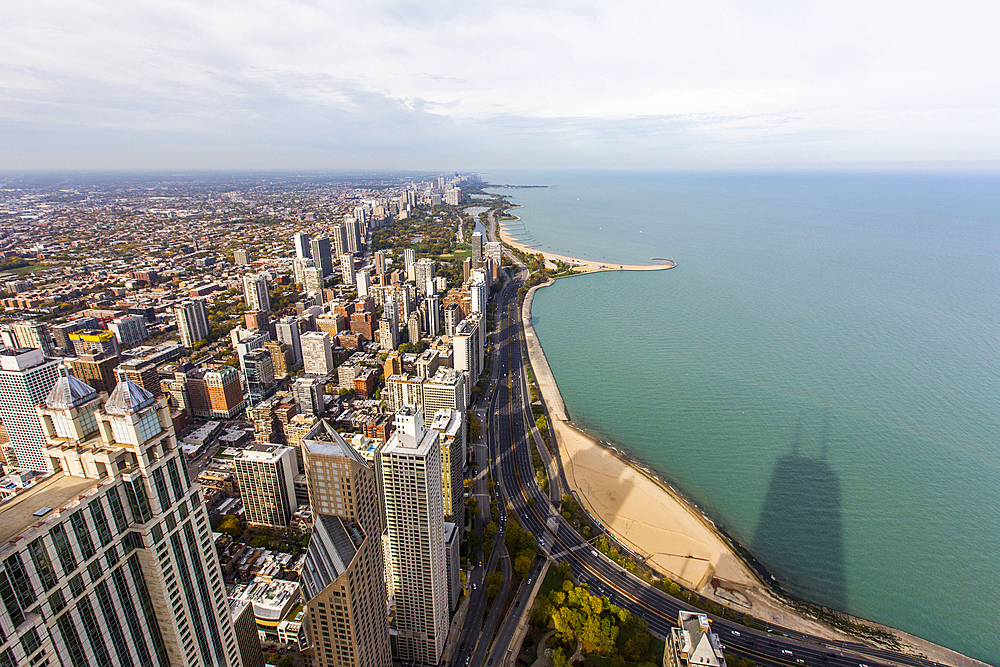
{"type": "Point", "coordinates": [415, 84]}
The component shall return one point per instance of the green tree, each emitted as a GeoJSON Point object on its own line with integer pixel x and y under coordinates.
{"type": "Point", "coordinates": [522, 566]}
{"type": "Point", "coordinates": [493, 583]}
{"type": "Point", "coordinates": [474, 427]}
{"type": "Point", "coordinates": [231, 526]}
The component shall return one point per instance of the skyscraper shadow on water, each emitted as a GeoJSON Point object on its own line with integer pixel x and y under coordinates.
{"type": "Point", "coordinates": [799, 535]}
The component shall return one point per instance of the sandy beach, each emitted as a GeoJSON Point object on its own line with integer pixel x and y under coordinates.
{"type": "Point", "coordinates": [583, 266]}
{"type": "Point", "coordinates": [655, 522]}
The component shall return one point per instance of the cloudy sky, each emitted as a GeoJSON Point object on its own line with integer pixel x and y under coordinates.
{"type": "Point", "coordinates": [256, 84]}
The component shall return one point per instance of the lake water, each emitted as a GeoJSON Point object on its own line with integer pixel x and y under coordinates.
{"type": "Point", "coordinates": [821, 372]}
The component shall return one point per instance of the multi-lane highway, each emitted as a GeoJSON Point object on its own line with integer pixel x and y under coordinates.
{"type": "Point", "coordinates": [511, 464]}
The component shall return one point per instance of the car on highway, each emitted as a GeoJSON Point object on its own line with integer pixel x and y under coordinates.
{"type": "Point", "coordinates": [735, 632]}
{"type": "Point", "coordinates": [786, 651]}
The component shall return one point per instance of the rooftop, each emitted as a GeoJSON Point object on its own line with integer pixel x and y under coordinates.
{"type": "Point", "coordinates": [53, 492]}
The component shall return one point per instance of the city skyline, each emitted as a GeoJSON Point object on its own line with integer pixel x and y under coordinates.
{"type": "Point", "coordinates": [395, 86]}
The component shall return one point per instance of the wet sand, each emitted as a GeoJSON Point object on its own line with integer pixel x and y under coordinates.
{"type": "Point", "coordinates": [583, 266]}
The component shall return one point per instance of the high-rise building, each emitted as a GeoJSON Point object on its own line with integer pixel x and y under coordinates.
{"type": "Point", "coordinates": [61, 332]}
{"type": "Point", "coordinates": [452, 316]}
{"type": "Point", "coordinates": [312, 278]}
{"type": "Point", "coordinates": [343, 576]}
{"type": "Point", "coordinates": [289, 334]}
{"type": "Point", "coordinates": [409, 258]}
{"type": "Point", "coordinates": [363, 281]}
{"type": "Point", "coordinates": [241, 257]}
{"type": "Point", "coordinates": [409, 472]}
{"type": "Point", "coordinates": [299, 266]}
{"type": "Point", "coordinates": [255, 292]}
{"type": "Point", "coordinates": [258, 370]}
{"type": "Point", "coordinates": [340, 245]}
{"type": "Point", "coordinates": [192, 321]}
{"type": "Point", "coordinates": [224, 392]}
{"type": "Point", "coordinates": [317, 355]}
{"type": "Point", "coordinates": [413, 328]}
{"type": "Point", "coordinates": [448, 389]}
{"type": "Point", "coordinates": [26, 376]}
{"type": "Point", "coordinates": [693, 642]}
{"type": "Point", "coordinates": [129, 329]}
{"type": "Point", "coordinates": [494, 252]}
{"type": "Point", "coordinates": [94, 342]}
{"type": "Point", "coordinates": [477, 249]}
{"type": "Point", "coordinates": [468, 348]}
{"type": "Point", "coordinates": [347, 268]}
{"type": "Point", "coordinates": [423, 272]}
{"type": "Point", "coordinates": [321, 254]}
{"type": "Point", "coordinates": [266, 475]}
{"type": "Point", "coordinates": [303, 248]}
{"type": "Point", "coordinates": [97, 370]}
{"type": "Point", "coordinates": [451, 435]}
{"type": "Point", "coordinates": [280, 358]}
{"type": "Point", "coordinates": [388, 333]}
{"type": "Point", "coordinates": [479, 291]}
{"type": "Point", "coordinates": [125, 566]}
{"type": "Point", "coordinates": [433, 315]}
{"type": "Point", "coordinates": [34, 334]}
{"type": "Point", "coordinates": [308, 393]}
{"type": "Point", "coordinates": [143, 373]}
{"type": "Point", "coordinates": [258, 319]}
{"type": "Point", "coordinates": [379, 259]}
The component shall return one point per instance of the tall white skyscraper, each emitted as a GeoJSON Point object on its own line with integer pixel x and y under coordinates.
{"type": "Point", "coordinates": [479, 291]}
{"type": "Point", "coordinates": [347, 268]}
{"type": "Point", "coordinates": [255, 292]}
{"type": "Point", "coordinates": [433, 315]}
{"type": "Point", "coordinates": [288, 333]}
{"type": "Point", "coordinates": [26, 377]}
{"type": "Point", "coordinates": [468, 348]}
{"type": "Point", "coordinates": [317, 355]}
{"type": "Point", "coordinates": [409, 471]}
{"type": "Point", "coordinates": [192, 321]}
{"type": "Point", "coordinates": [409, 258]}
{"type": "Point", "coordinates": [477, 248]}
{"type": "Point", "coordinates": [302, 247]}
{"type": "Point", "coordinates": [129, 329]}
{"type": "Point", "coordinates": [423, 272]}
{"type": "Point", "coordinates": [121, 559]}
{"type": "Point", "coordinates": [364, 283]}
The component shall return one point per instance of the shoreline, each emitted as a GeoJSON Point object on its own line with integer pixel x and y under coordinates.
{"type": "Point", "coordinates": [581, 265]}
{"type": "Point", "coordinates": [645, 513]}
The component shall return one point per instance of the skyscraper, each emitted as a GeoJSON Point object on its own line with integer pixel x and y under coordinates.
{"type": "Point", "coordinates": [423, 271]}
{"type": "Point", "coordinates": [409, 472]}
{"type": "Point", "coordinates": [34, 334]}
{"type": "Point", "coordinates": [241, 257]}
{"type": "Point", "coordinates": [379, 259]}
{"type": "Point", "coordinates": [409, 258]}
{"type": "Point", "coordinates": [321, 254]}
{"type": "Point", "coordinates": [258, 370]}
{"type": "Point", "coordinates": [451, 435]}
{"type": "Point", "coordinates": [347, 268]}
{"type": "Point", "coordinates": [317, 356]}
{"type": "Point", "coordinates": [192, 321]}
{"type": "Point", "coordinates": [364, 283]}
{"type": "Point", "coordinates": [128, 550]}
{"type": "Point", "coordinates": [26, 377]}
{"type": "Point", "coordinates": [477, 248]}
{"type": "Point", "coordinates": [308, 393]}
{"type": "Point", "coordinates": [468, 348]}
{"type": "Point", "coordinates": [288, 333]}
{"type": "Point", "coordinates": [255, 292]}
{"type": "Point", "coordinates": [433, 315]}
{"type": "Point", "coordinates": [352, 229]}
{"type": "Point", "coordinates": [343, 577]}
{"type": "Point", "coordinates": [339, 241]}
{"type": "Point", "coordinates": [97, 370]}
{"type": "Point", "coordinates": [303, 249]}
{"type": "Point", "coordinates": [129, 329]}
{"type": "Point", "coordinates": [266, 474]}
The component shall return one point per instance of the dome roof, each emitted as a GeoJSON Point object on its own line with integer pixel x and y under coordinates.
{"type": "Point", "coordinates": [69, 392]}
{"type": "Point", "coordinates": [128, 398]}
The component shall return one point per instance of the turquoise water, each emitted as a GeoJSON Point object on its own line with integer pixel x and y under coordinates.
{"type": "Point", "coordinates": [820, 372]}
